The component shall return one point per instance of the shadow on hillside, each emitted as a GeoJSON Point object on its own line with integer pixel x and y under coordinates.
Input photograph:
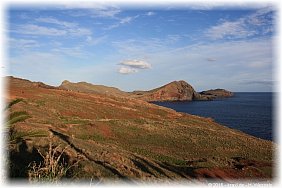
{"type": "Point", "coordinates": [159, 169]}
{"type": "Point", "coordinates": [90, 158]}
{"type": "Point", "coordinates": [182, 171]}
{"type": "Point", "coordinates": [20, 159]}
{"type": "Point", "coordinates": [162, 169]}
{"type": "Point", "coordinates": [149, 167]}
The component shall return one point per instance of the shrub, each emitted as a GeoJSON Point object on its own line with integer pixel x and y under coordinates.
{"type": "Point", "coordinates": [52, 169]}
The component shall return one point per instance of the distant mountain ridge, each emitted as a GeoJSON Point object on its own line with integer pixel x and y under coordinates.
{"type": "Point", "coordinates": [173, 91]}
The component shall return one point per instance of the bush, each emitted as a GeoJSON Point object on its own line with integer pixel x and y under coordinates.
{"type": "Point", "coordinates": [52, 169]}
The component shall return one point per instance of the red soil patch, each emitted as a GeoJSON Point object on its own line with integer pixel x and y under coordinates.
{"type": "Point", "coordinates": [104, 129]}
{"type": "Point", "coordinates": [243, 169]}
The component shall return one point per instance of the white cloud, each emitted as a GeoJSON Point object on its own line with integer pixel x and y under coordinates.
{"type": "Point", "coordinates": [105, 12]}
{"type": "Point", "coordinates": [23, 43]}
{"type": "Point", "coordinates": [94, 41]}
{"type": "Point", "coordinates": [31, 29]}
{"type": "Point", "coordinates": [173, 38]}
{"type": "Point", "coordinates": [79, 31]}
{"type": "Point", "coordinates": [243, 27]}
{"type": "Point", "coordinates": [70, 51]}
{"type": "Point", "coordinates": [127, 70]}
{"type": "Point", "coordinates": [126, 20]}
{"type": "Point", "coordinates": [150, 13]}
{"type": "Point", "coordinates": [55, 21]}
{"type": "Point", "coordinates": [140, 48]}
{"type": "Point", "coordinates": [93, 10]}
{"type": "Point", "coordinates": [236, 29]}
{"type": "Point", "coordinates": [138, 64]}
{"type": "Point", "coordinates": [122, 21]}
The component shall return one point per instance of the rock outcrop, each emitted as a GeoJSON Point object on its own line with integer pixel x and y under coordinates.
{"type": "Point", "coordinates": [174, 91]}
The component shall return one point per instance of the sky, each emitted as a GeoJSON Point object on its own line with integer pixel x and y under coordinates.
{"type": "Point", "coordinates": [141, 48]}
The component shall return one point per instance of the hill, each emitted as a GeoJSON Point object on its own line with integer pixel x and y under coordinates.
{"type": "Point", "coordinates": [117, 138]}
{"type": "Point", "coordinates": [85, 87]}
{"type": "Point", "coordinates": [174, 91]}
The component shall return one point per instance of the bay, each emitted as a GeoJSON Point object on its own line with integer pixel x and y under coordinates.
{"type": "Point", "coordinates": [249, 112]}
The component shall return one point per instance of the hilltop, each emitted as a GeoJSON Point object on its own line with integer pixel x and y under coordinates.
{"type": "Point", "coordinates": [121, 138]}
{"type": "Point", "coordinates": [174, 91]}
{"type": "Point", "coordinates": [85, 87]}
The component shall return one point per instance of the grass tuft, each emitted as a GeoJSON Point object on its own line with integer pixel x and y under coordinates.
{"type": "Point", "coordinates": [52, 169]}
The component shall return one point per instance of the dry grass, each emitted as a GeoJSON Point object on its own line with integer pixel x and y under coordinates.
{"type": "Point", "coordinates": [53, 168]}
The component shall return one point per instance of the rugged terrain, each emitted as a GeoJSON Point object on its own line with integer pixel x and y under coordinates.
{"type": "Point", "coordinates": [116, 138]}
{"type": "Point", "coordinates": [173, 91]}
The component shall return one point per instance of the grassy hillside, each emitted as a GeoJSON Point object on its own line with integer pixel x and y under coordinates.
{"type": "Point", "coordinates": [85, 87]}
{"type": "Point", "coordinates": [121, 138]}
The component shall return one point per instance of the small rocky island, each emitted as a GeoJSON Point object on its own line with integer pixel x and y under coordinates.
{"type": "Point", "coordinates": [216, 93]}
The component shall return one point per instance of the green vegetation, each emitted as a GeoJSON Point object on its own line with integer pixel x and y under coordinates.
{"type": "Point", "coordinates": [73, 120]}
{"type": "Point", "coordinates": [94, 137]}
{"type": "Point", "coordinates": [159, 157]}
{"type": "Point", "coordinates": [40, 103]}
{"type": "Point", "coordinates": [13, 118]}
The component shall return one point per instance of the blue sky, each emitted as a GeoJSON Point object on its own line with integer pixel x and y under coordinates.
{"type": "Point", "coordinates": [135, 48]}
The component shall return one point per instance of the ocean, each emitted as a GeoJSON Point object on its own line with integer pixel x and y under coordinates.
{"type": "Point", "coordinates": [249, 112]}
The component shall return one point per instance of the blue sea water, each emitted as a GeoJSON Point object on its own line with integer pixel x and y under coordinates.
{"type": "Point", "coordinates": [248, 112]}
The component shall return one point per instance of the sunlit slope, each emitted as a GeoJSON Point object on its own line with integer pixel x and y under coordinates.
{"type": "Point", "coordinates": [128, 138]}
